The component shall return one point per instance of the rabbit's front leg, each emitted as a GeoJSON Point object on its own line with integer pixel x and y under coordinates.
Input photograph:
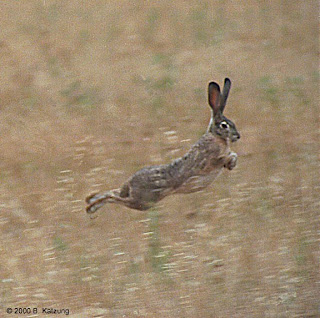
{"type": "Point", "coordinates": [231, 160]}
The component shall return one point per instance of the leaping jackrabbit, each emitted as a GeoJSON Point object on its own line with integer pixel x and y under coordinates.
{"type": "Point", "coordinates": [190, 173]}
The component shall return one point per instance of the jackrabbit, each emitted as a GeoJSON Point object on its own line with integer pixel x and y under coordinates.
{"type": "Point", "coordinates": [190, 173]}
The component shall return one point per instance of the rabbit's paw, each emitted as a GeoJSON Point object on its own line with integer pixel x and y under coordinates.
{"type": "Point", "coordinates": [231, 161]}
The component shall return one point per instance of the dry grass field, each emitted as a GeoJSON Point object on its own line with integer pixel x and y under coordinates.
{"type": "Point", "coordinates": [91, 91]}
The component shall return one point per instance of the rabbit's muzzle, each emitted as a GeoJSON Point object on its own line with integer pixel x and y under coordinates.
{"type": "Point", "coordinates": [235, 137]}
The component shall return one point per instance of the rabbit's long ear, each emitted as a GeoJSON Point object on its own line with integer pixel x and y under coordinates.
{"type": "Point", "coordinates": [225, 93]}
{"type": "Point", "coordinates": [214, 98]}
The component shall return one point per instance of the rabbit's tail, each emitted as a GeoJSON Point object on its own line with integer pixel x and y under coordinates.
{"type": "Point", "coordinates": [96, 200]}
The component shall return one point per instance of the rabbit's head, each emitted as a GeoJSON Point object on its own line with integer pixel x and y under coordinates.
{"type": "Point", "coordinates": [219, 124]}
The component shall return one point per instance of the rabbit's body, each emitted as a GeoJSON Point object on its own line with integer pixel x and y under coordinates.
{"type": "Point", "coordinates": [191, 173]}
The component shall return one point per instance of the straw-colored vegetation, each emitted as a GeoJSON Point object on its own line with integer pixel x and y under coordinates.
{"type": "Point", "coordinates": [91, 91]}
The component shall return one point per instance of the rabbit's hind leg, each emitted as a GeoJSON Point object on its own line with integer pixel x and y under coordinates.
{"type": "Point", "coordinates": [97, 200]}
{"type": "Point", "coordinates": [121, 196]}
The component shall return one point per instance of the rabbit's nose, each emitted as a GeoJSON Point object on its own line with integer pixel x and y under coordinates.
{"type": "Point", "coordinates": [236, 137]}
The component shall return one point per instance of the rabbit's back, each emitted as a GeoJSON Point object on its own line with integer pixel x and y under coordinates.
{"type": "Point", "coordinates": [190, 173]}
{"type": "Point", "coordinates": [203, 164]}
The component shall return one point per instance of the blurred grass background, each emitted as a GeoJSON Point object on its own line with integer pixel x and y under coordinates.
{"type": "Point", "coordinates": [91, 91]}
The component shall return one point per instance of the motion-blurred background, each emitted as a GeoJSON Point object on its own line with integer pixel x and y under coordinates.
{"type": "Point", "coordinates": [91, 91]}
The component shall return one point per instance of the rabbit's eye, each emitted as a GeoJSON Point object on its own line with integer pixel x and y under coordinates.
{"type": "Point", "coordinates": [224, 125]}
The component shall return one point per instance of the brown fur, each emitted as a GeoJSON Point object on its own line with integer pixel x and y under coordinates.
{"type": "Point", "coordinates": [190, 173]}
